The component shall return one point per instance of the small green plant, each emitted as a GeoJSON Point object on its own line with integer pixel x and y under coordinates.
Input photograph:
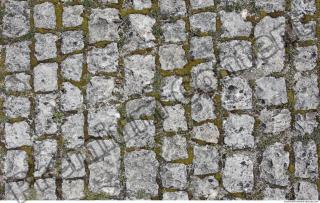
{"type": "Point", "coordinates": [58, 117]}
{"type": "Point", "coordinates": [157, 31]}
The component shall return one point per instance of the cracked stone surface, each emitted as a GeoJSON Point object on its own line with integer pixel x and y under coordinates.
{"type": "Point", "coordinates": [159, 100]}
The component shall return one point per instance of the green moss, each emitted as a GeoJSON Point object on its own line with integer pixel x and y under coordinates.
{"type": "Point", "coordinates": [58, 117]}
{"type": "Point", "coordinates": [97, 196]}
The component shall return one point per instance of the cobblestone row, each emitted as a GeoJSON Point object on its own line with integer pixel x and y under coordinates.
{"type": "Point", "coordinates": [159, 99]}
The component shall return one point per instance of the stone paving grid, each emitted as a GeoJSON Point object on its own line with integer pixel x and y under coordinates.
{"type": "Point", "coordinates": [160, 99]}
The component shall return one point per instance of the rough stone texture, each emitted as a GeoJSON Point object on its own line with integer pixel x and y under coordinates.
{"type": "Point", "coordinates": [101, 60]}
{"type": "Point", "coordinates": [203, 22]}
{"type": "Point", "coordinates": [207, 132]}
{"type": "Point", "coordinates": [139, 74]}
{"type": "Point", "coordinates": [73, 132]}
{"type": "Point", "coordinates": [73, 189]}
{"type": "Point", "coordinates": [271, 91]}
{"type": "Point", "coordinates": [172, 57]}
{"type": "Point", "coordinates": [16, 21]}
{"type": "Point", "coordinates": [18, 56]}
{"type": "Point", "coordinates": [206, 160]}
{"type": "Point", "coordinates": [44, 15]}
{"type": "Point", "coordinates": [159, 99]}
{"type": "Point", "coordinates": [140, 171]}
{"type": "Point", "coordinates": [139, 133]}
{"type": "Point", "coordinates": [71, 16]}
{"type": "Point", "coordinates": [204, 78]}
{"type": "Point", "coordinates": [45, 189]}
{"type": "Point", "coordinates": [306, 191]}
{"type": "Point", "coordinates": [306, 92]}
{"type": "Point", "coordinates": [238, 174]}
{"type": "Point", "coordinates": [269, 33]}
{"type": "Point", "coordinates": [202, 48]}
{"type": "Point", "coordinates": [238, 131]}
{"type": "Point", "coordinates": [46, 77]}
{"type": "Point", "coordinates": [175, 119]}
{"type": "Point", "coordinates": [104, 169]}
{"type": "Point", "coordinates": [174, 176]}
{"type": "Point", "coordinates": [233, 25]}
{"type": "Point", "coordinates": [236, 94]}
{"type": "Point", "coordinates": [17, 135]}
{"type": "Point", "coordinates": [306, 124]}
{"type": "Point", "coordinates": [202, 108]}
{"type": "Point", "coordinates": [306, 58]}
{"type": "Point", "coordinates": [203, 188]}
{"type": "Point", "coordinates": [174, 148]}
{"type": "Point", "coordinates": [71, 67]}
{"type": "Point", "coordinates": [271, 5]}
{"type": "Point", "coordinates": [15, 107]}
{"type": "Point", "coordinates": [236, 55]}
{"type": "Point", "coordinates": [174, 32]}
{"type": "Point", "coordinates": [45, 159]}
{"type": "Point", "coordinates": [72, 41]}
{"type": "Point", "coordinates": [16, 164]}
{"type": "Point", "coordinates": [306, 159]}
{"type": "Point", "coordinates": [19, 82]}
{"type": "Point", "coordinates": [275, 121]}
{"type": "Point", "coordinates": [172, 89]}
{"type": "Point", "coordinates": [45, 47]}
{"type": "Point", "coordinates": [274, 165]}
{"type": "Point", "coordinates": [103, 25]}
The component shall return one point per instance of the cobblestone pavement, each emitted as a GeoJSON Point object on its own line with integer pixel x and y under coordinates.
{"type": "Point", "coordinates": [160, 99]}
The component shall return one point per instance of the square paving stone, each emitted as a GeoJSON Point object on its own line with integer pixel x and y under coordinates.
{"type": "Point", "coordinates": [306, 124]}
{"type": "Point", "coordinates": [173, 8]}
{"type": "Point", "coordinates": [139, 74]}
{"type": "Point", "coordinates": [202, 48]}
{"type": "Point", "coordinates": [16, 17]}
{"type": "Point", "coordinates": [100, 90]}
{"type": "Point", "coordinates": [174, 32]}
{"type": "Point", "coordinates": [19, 190]}
{"type": "Point", "coordinates": [174, 148]}
{"type": "Point", "coordinates": [271, 5]}
{"type": "Point", "coordinates": [306, 160]}
{"type": "Point", "coordinates": [73, 165]}
{"type": "Point", "coordinates": [17, 135]}
{"type": "Point", "coordinates": [141, 168]}
{"type": "Point", "coordinates": [103, 25]}
{"type": "Point", "coordinates": [274, 165]}
{"type": "Point", "coordinates": [45, 47]}
{"type": "Point", "coordinates": [306, 58]}
{"type": "Point", "coordinates": [238, 131]}
{"type": "Point", "coordinates": [172, 57]}
{"type": "Point", "coordinates": [72, 41]}
{"type": "Point", "coordinates": [103, 60]}
{"type": "Point", "coordinates": [73, 189]}
{"type": "Point", "coordinates": [45, 77]}
{"type": "Point", "coordinates": [306, 92]}
{"type": "Point", "coordinates": [175, 119]}
{"type": "Point", "coordinates": [274, 194]}
{"type": "Point", "coordinates": [18, 56]}
{"type": "Point", "coordinates": [204, 78]}
{"type": "Point", "coordinates": [71, 67]}
{"type": "Point", "coordinates": [44, 15]}
{"type": "Point", "coordinates": [203, 188]}
{"type": "Point", "coordinates": [236, 94]}
{"type": "Point", "coordinates": [139, 133]}
{"type": "Point", "coordinates": [73, 131]}
{"type": "Point", "coordinates": [105, 168]}
{"type": "Point", "coordinates": [137, 108]}
{"type": "Point", "coordinates": [271, 91]}
{"type": "Point", "coordinates": [275, 121]}
{"type": "Point", "coordinates": [207, 132]}
{"type": "Point", "coordinates": [45, 154]}
{"type": "Point", "coordinates": [19, 82]}
{"type": "Point", "coordinates": [174, 176]}
{"type": "Point", "coordinates": [304, 190]}
{"type": "Point", "coordinates": [233, 25]}
{"type": "Point", "coordinates": [71, 16]}
{"type": "Point", "coordinates": [103, 121]}
{"type": "Point", "coordinates": [203, 22]}
{"type": "Point", "coordinates": [15, 107]}
{"type": "Point", "coordinates": [45, 189]}
{"type": "Point", "coordinates": [205, 160]}
{"type": "Point", "coordinates": [236, 55]}
{"type": "Point", "coordinates": [172, 89]}
{"type": "Point", "coordinates": [71, 97]}
{"type": "Point", "coordinates": [197, 4]}
{"type": "Point", "coordinates": [180, 195]}
{"type": "Point", "coordinates": [16, 164]}
{"type": "Point", "coordinates": [202, 108]}
{"type": "Point", "coordinates": [238, 174]}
